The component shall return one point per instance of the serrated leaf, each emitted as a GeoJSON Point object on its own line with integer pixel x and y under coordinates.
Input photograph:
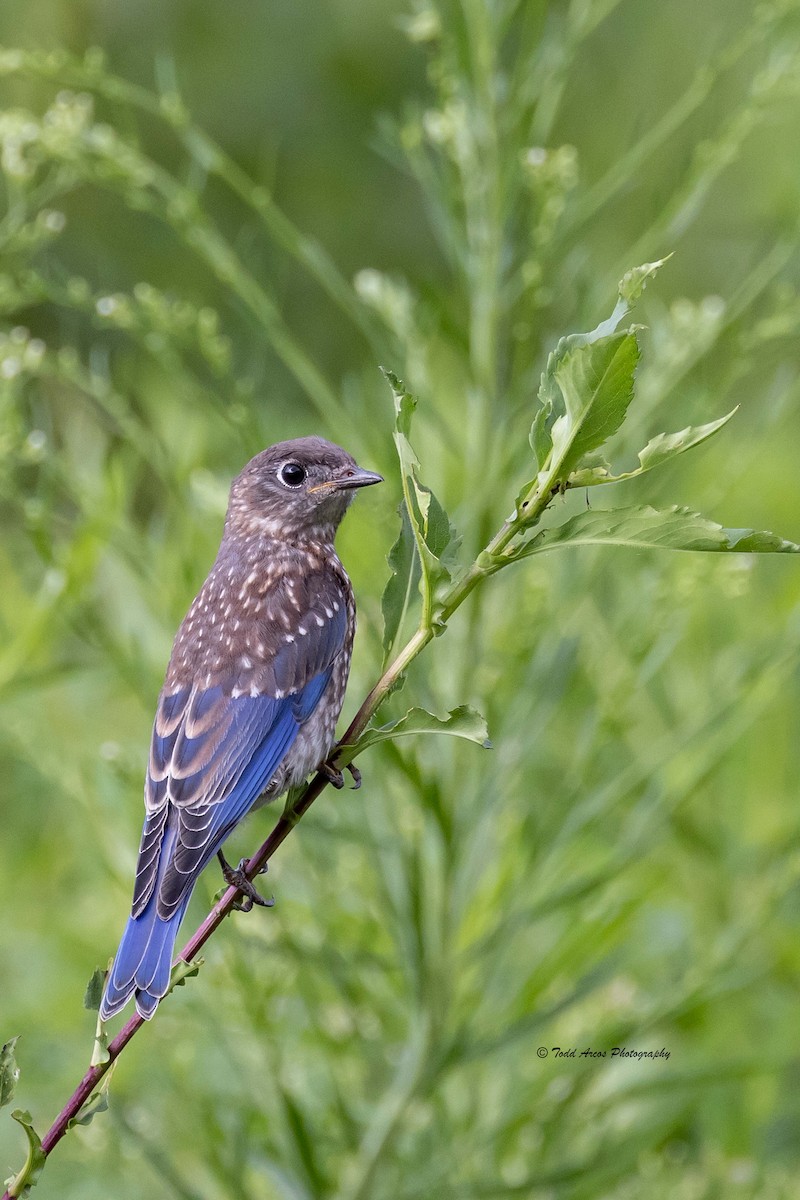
{"type": "Point", "coordinates": [402, 584]}
{"type": "Point", "coordinates": [667, 445]}
{"type": "Point", "coordinates": [34, 1163]}
{"type": "Point", "coordinates": [657, 451]}
{"type": "Point", "coordinates": [435, 538]}
{"type": "Point", "coordinates": [647, 528]}
{"type": "Point", "coordinates": [463, 722]}
{"type": "Point", "coordinates": [550, 396]}
{"type": "Point", "coordinates": [596, 382]}
{"type": "Point", "coordinates": [94, 990]}
{"type": "Point", "coordinates": [9, 1071]}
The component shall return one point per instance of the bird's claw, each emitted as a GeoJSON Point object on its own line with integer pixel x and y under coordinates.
{"type": "Point", "coordinates": [335, 777]}
{"type": "Point", "coordinates": [236, 877]}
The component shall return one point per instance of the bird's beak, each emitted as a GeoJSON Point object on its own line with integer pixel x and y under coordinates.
{"type": "Point", "coordinates": [357, 479]}
{"type": "Point", "coordinates": [353, 479]}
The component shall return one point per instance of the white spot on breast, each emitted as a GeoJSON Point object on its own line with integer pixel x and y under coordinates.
{"type": "Point", "coordinates": [246, 662]}
{"type": "Point", "coordinates": [328, 613]}
{"type": "Point", "coordinates": [289, 637]}
{"type": "Point", "coordinates": [301, 629]}
{"type": "Point", "coordinates": [319, 620]}
{"type": "Point", "coordinates": [336, 606]}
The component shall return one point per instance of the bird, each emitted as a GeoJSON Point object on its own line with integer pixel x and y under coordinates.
{"type": "Point", "coordinates": [253, 691]}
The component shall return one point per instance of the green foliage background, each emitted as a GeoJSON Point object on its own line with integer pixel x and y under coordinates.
{"type": "Point", "coordinates": [209, 241]}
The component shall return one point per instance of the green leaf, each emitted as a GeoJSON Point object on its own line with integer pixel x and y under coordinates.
{"type": "Point", "coordinates": [657, 451]}
{"type": "Point", "coordinates": [634, 282]}
{"type": "Point", "coordinates": [97, 1103]}
{"type": "Point", "coordinates": [404, 403]}
{"type": "Point", "coordinates": [9, 1072]}
{"type": "Point", "coordinates": [553, 433]}
{"type": "Point", "coordinates": [646, 528]}
{"type": "Point", "coordinates": [463, 722]}
{"type": "Point", "coordinates": [100, 1054]}
{"type": "Point", "coordinates": [596, 382]}
{"type": "Point", "coordinates": [19, 1184]}
{"type": "Point", "coordinates": [629, 290]}
{"type": "Point", "coordinates": [540, 438]}
{"type": "Point", "coordinates": [94, 990]}
{"type": "Point", "coordinates": [435, 538]}
{"type": "Point", "coordinates": [401, 585]}
{"type": "Point", "coordinates": [184, 971]}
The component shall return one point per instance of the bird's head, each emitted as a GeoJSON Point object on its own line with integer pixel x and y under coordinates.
{"type": "Point", "coordinates": [295, 490]}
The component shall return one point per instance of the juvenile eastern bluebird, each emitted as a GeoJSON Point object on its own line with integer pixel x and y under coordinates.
{"type": "Point", "coordinates": [253, 691]}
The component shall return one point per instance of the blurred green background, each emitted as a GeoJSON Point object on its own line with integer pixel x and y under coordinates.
{"type": "Point", "coordinates": [211, 235]}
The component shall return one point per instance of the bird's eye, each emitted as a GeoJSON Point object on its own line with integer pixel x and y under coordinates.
{"type": "Point", "coordinates": [292, 474]}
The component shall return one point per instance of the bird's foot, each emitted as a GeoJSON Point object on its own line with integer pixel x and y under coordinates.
{"type": "Point", "coordinates": [235, 877]}
{"type": "Point", "coordinates": [335, 777]}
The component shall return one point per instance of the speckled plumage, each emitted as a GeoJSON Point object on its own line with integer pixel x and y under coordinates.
{"type": "Point", "coordinates": [252, 694]}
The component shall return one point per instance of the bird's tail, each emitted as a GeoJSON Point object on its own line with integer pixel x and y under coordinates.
{"type": "Point", "coordinates": [143, 961]}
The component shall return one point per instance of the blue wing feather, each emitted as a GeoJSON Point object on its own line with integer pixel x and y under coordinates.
{"type": "Point", "coordinates": [188, 860]}
{"type": "Point", "coordinates": [304, 702]}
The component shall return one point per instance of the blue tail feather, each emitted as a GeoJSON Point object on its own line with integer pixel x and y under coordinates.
{"type": "Point", "coordinates": [144, 959]}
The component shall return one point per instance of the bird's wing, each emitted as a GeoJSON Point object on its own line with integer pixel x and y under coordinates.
{"type": "Point", "coordinates": [215, 748]}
